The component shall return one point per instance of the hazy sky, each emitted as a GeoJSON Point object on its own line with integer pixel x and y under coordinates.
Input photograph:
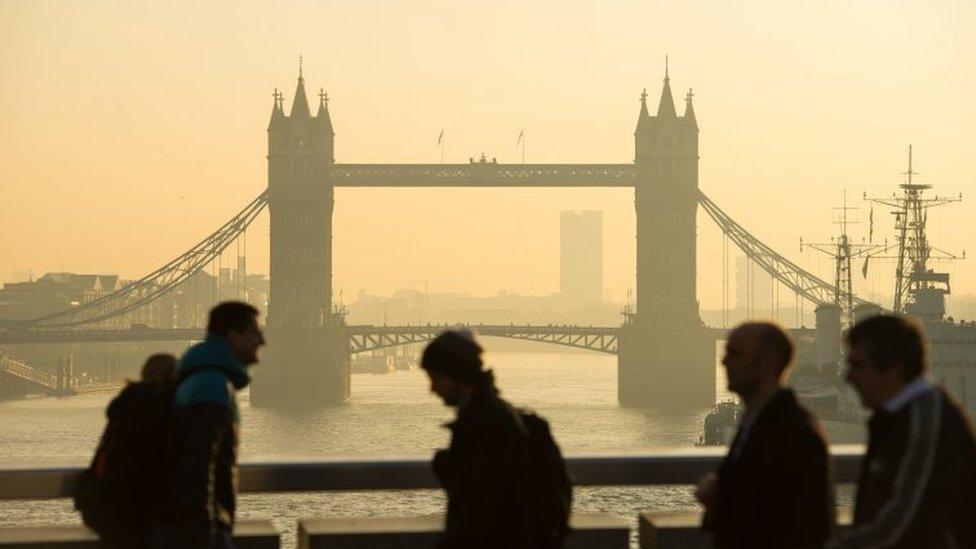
{"type": "Point", "coordinates": [131, 130]}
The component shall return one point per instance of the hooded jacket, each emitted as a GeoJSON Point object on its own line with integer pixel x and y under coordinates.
{"type": "Point", "coordinates": [204, 440]}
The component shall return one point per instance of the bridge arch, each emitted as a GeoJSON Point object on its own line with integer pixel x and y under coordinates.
{"type": "Point", "coordinates": [599, 339]}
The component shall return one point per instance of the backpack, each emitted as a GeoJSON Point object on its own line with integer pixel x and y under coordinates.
{"type": "Point", "coordinates": [118, 495]}
{"type": "Point", "coordinates": [549, 484]}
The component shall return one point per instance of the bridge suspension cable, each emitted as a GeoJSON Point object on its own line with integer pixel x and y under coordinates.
{"type": "Point", "coordinates": [158, 282]}
{"type": "Point", "coordinates": [805, 284]}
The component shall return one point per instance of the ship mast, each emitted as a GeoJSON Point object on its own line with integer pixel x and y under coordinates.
{"type": "Point", "coordinates": [841, 250]}
{"type": "Point", "coordinates": [918, 290]}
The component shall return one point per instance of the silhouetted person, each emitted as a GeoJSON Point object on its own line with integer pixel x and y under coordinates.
{"type": "Point", "coordinates": [774, 489]}
{"type": "Point", "coordinates": [485, 469]}
{"type": "Point", "coordinates": [159, 368]}
{"type": "Point", "coordinates": [158, 372]}
{"type": "Point", "coordinates": [199, 512]}
{"type": "Point", "coordinates": [134, 435]}
{"type": "Point", "coordinates": [918, 478]}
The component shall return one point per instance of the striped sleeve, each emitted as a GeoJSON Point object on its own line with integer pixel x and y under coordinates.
{"type": "Point", "coordinates": [911, 480]}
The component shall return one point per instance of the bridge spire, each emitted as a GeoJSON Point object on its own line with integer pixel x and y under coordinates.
{"type": "Point", "coordinates": [277, 113]}
{"type": "Point", "coordinates": [299, 107]}
{"type": "Point", "coordinates": [665, 108]}
{"type": "Point", "coordinates": [643, 117]}
{"type": "Point", "coordinates": [690, 109]}
{"type": "Point", "coordinates": [322, 117]}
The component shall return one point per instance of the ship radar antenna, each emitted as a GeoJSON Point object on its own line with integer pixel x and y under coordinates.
{"type": "Point", "coordinates": [919, 290]}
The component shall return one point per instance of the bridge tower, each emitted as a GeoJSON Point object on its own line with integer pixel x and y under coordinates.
{"type": "Point", "coordinates": [307, 360]}
{"type": "Point", "coordinates": [665, 354]}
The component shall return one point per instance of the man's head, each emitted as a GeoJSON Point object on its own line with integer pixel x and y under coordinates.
{"type": "Point", "coordinates": [452, 360]}
{"type": "Point", "coordinates": [237, 323]}
{"type": "Point", "coordinates": [756, 356]}
{"type": "Point", "coordinates": [159, 368]}
{"type": "Point", "coordinates": [884, 353]}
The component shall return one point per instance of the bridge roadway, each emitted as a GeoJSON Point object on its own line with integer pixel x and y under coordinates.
{"type": "Point", "coordinates": [362, 338]}
{"type": "Point", "coordinates": [368, 337]}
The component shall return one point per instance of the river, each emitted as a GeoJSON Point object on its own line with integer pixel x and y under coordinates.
{"type": "Point", "coordinates": [388, 414]}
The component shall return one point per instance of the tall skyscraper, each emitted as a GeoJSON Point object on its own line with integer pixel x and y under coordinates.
{"type": "Point", "coordinates": [581, 256]}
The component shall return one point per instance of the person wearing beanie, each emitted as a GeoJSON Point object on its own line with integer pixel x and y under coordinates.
{"type": "Point", "coordinates": [485, 470]}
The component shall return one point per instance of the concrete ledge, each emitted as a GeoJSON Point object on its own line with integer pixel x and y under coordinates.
{"type": "Point", "coordinates": [248, 534]}
{"type": "Point", "coordinates": [256, 534]}
{"type": "Point", "coordinates": [683, 530]}
{"type": "Point", "coordinates": [596, 531]}
{"type": "Point", "coordinates": [672, 531]}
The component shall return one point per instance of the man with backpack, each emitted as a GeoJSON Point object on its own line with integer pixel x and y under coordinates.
{"type": "Point", "coordinates": [505, 478]}
{"type": "Point", "coordinates": [200, 502]}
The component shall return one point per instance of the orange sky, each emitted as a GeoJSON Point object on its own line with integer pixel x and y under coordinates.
{"type": "Point", "coordinates": [131, 130]}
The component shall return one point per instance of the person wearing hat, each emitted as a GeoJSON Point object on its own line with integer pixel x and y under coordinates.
{"type": "Point", "coordinates": [485, 469]}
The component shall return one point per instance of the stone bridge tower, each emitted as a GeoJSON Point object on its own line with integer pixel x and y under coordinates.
{"type": "Point", "coordinates": [666, 358]}
{"type": "Point", "coordinates": [306, 361]}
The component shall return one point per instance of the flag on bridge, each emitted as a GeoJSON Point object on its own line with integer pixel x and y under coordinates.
{"type": "Point", "coordinates": [521, 137]}
{"type": "Point", "coordinates": [440, 137]}
{"type": "Point", "coordinates": [870, 229]}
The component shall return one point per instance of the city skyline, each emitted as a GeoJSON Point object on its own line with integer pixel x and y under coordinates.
{"type": "Point", "coordinates": [189, 156]}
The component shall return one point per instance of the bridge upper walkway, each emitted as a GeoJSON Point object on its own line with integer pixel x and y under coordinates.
{"type": "Point", "coordinates": [483, 174]}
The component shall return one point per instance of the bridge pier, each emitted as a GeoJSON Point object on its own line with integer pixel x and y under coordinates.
{"type": "Point", "coordinates": [303, 367]}
{"type": "Point", "coordinates": [665, 367]}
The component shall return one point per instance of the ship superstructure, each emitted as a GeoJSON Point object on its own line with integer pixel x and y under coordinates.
{"type": "Point", "coordinates": [919, 290]}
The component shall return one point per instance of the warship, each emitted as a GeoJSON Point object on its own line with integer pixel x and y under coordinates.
{"type": "Point", "coordinates": [919, 291]}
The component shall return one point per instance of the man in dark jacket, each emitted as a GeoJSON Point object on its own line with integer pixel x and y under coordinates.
{"type": "Point", "coordinates": [200, 509]}
{"type": "Point", "coordinates": [484, 472]}
{"type": "Point", "coordinates": [918, 478]}
{"type": "Point", "coordinates": [774, 489]}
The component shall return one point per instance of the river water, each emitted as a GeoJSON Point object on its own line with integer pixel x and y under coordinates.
{"type": "Point", "coordinates": [389, 414]}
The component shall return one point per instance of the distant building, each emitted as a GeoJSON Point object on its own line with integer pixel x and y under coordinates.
{"type": "Point", "coordinates": [581, 256]}
{"type": "Point", "coordinates": [184, 306]}
{"type": "Point", "coordinates": [53, 292]}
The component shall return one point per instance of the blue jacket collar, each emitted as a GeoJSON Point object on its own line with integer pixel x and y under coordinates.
{"type": "Point", "coordinates": [214, 353]}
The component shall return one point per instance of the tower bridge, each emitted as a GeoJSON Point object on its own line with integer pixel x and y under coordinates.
{"type": "Point", "coordinates": [665, 352]}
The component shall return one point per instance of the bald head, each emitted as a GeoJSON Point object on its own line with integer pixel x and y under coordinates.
{"type": "Point", "coordinates": [766, 341]}
{"type": "Point", "coordinates": [756, 355]}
